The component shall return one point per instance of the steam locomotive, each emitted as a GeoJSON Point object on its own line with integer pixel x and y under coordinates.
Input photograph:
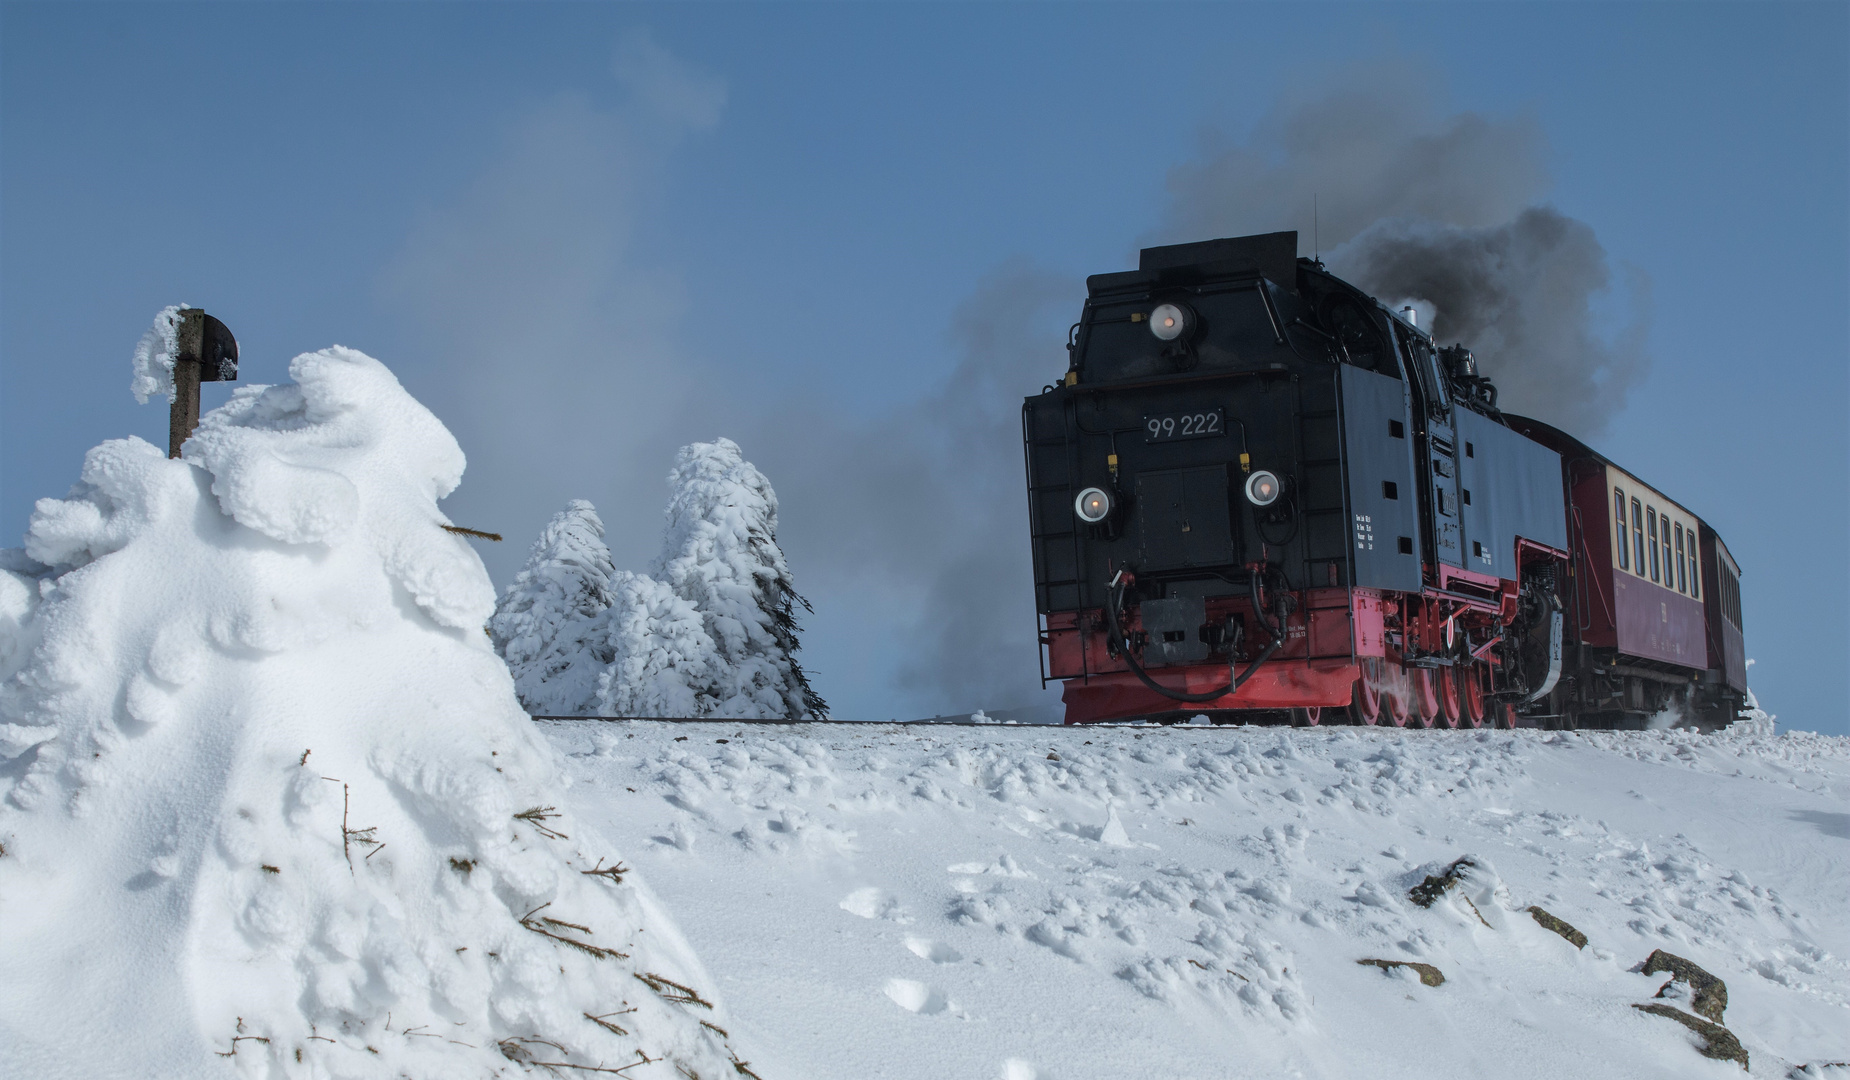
{"type": "Point", "coordinates": [1260, 494]}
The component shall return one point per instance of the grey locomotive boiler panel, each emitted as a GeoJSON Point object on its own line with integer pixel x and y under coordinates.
{"type": "Point", "coordinates": [1515, 491]}
{"type": "Point", "coordinates": [1384, 501]}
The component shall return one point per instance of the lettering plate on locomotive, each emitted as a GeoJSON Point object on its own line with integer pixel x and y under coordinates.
{"type": "Point", "coordinates": [1170, 427]}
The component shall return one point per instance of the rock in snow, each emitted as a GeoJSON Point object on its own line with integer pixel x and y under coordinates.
{"type": "Point", "coordinates": [1708, 995]}
{"type": "Point", "coordinates": [1429, 975]}
{"type": "Point", "coordinates": [1559, 926]}
{"type": "Point", "coordinates": [268, 804]}
{"type": "Point", "coordinates": [1717, 1041]}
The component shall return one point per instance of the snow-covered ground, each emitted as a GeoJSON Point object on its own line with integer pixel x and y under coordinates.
{"type": "Point", "coordinates": [1029, 903]}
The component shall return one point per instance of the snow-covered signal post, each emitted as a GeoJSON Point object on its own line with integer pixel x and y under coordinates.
{"type": "Point", "coordinates": [309, 806]}
{"type": "Point", "coordinates": [204, 351]}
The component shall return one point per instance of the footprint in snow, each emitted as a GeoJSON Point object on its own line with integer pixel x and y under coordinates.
{"type": "Point", "coordinates": [873, 903]}
{"type": "Point", "coordinates": [935, 951]}
{"type": "Point", "coordinates": [1017, 1069]}
{"type": "Point", "coordinates": [1004, 866]}
{"type": "Point", "coordinates": [916, 997]}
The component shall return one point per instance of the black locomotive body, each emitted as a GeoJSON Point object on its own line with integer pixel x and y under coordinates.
{"type": "Point", "coordinates": [1259, 492]}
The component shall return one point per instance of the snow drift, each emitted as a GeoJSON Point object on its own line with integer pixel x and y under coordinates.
{"type": "Point", "coordinates": [268, 804]}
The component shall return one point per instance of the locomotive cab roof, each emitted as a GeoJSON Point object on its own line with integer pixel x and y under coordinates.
{"type": "Point", "coordinates": [1246, 303]}
{"type": "Point", "coordinates": [1273, 256]}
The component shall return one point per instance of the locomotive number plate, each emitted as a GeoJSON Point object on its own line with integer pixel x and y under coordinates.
{"type": "Point", "coordinates": [1188, 425]}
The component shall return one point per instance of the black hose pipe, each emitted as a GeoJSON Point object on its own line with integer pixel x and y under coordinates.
{"type": "Point", "coordinates": [1235, 679]}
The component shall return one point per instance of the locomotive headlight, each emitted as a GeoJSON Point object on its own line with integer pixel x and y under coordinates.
{"type": "Point", "coordinates": [1262, 488]}
{"type": "Point", "coordinates": [1171, 321]}
{"type": "Point", "coordinates": [1093, 505]}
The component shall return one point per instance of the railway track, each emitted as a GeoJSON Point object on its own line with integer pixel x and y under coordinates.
{"type": "Point", "coordinates": [799, 723]}
{"type": "Point", "coordinates": [932, 722]}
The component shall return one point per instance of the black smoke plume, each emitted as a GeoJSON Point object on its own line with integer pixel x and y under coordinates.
{"type": "Point", "coordinates": [1439, 209]}
{"type": "Point", "coordinates": [1521, 295]}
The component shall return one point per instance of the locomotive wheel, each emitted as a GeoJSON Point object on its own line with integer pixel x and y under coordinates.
{"type": "Point", "coordinates": [1394, 703]}
{"type": "Point", "coordinates": [1310, 716]}
{"type": "Point", "coordinates": [1425, 697]}
{"type": "Point", "coordinates": [1448, 696]}
{"type": "Point", "coordinates": [1365, 702]}
{"type": "Point", "coordinates": [1471, 696]}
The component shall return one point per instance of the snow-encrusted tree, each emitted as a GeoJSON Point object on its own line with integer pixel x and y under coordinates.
{"type": "Point", "coordinates": [662, 657]}
{"type": "Point", "coordinates": [720, 555]}
{"type": "Point", "coordinates": [548, 625]}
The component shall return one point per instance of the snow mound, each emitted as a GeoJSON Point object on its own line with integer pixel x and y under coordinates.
{"type": "Point", "coordinates": [268, 804]}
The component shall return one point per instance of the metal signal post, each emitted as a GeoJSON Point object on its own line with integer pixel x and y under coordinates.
{"type": "Point", "coordinates": [205, 352]}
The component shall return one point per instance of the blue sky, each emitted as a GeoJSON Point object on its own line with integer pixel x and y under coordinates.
{"type": "Point", "coordinates": [851, 237]}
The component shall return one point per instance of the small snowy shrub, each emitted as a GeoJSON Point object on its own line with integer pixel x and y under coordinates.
{"type": "Point", "coordinates": [720, 554]}
{"type": "Point", "coordinates": [547, 624]}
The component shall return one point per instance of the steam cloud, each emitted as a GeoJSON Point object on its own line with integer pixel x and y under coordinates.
{"type": "Point", "coordinates": [563, 378]}
{"type": "Point", "coordinates": [1415, 205]}
{"type": "Point", "coordinates": [914, 528]}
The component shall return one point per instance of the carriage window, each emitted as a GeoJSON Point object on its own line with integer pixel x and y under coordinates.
{"type": "Point", "coordinates": [1682, 576]}
{"type": "Point", "coordinates": [1638, 535]}
{"type": "Point", "coordinates": [1695, 568]}
{"type": "Point", "coordinates": [1650, 528]}
{"type": "Point", "coordinates": [1670, 574]}
{"type": "Point", "coordinates": [1618, 520]}
{"type": "Point", "coordinates": [1731, 597]}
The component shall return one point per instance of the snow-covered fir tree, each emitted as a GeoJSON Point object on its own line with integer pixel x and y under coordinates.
{"type": "Point", "coordinates": [549, 624]}
{"type": "Point", "coordinates": [662, 657]}
{"type": "Point", "coordinates": [720, 555]}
